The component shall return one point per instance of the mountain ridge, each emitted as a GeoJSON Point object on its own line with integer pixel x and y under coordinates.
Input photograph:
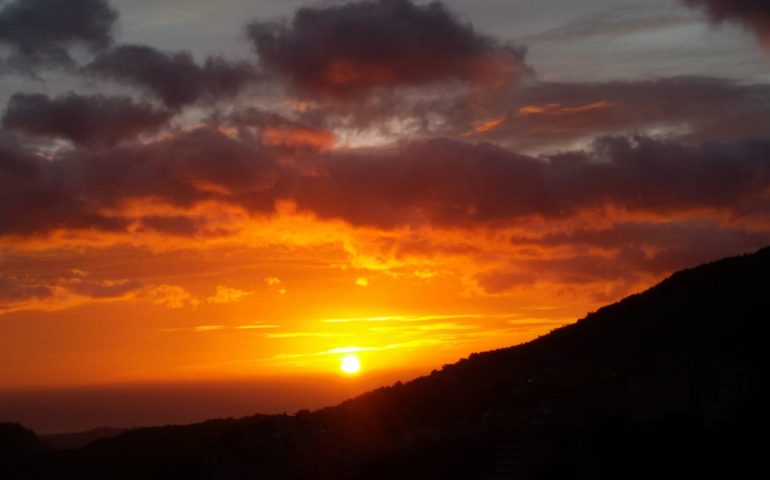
{"type": "Point", "coordinates": [656, 379]}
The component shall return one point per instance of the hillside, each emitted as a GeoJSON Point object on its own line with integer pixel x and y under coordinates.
{"type": "Point", "coordinates": [70, 441]}
{"type": "Point", "coordinates": [663, 384]}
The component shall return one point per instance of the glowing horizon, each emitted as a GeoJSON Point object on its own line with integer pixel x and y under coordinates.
{"type": "Point", "coordinates": [447, 179]}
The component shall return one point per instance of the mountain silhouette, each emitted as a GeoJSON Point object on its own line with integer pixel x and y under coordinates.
{"type": "Point", "coordinates": [668, 383]}
{"type": "Point", "coordinates": [19, 448]}
{"type": "Point", "coordinates": [70, 441]}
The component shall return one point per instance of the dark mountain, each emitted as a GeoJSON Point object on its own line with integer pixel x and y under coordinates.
{"type": "Point", "coordinates": [70, 441]}
{"type": "Point", "coordinates": [19, 449]}
{"type": "Point", "coordinates": [668, 383]}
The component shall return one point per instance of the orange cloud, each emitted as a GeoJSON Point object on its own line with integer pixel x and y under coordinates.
{"type": "Point", "coordinates": [486, 125]}
{"type": "Point", "coordinates": [556, 109]}
{"type": "Point", "coordinates": [276, 282]}
{"type": "Point", "coordinates": [172, 296]}
{"type": "Point", "coordinates": [298, 137]}
{"type": "Point", "coordinates": [227, 295]}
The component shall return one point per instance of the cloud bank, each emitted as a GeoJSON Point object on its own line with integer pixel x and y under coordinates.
{"type": "Point", "coordinates": [354, 47]}
{"type": "Point", "coordinates": [398, 130]}
{"type": "Point", "coordinates": [752, 14]}
{"type": "Point", "coordinates": [43, 32]}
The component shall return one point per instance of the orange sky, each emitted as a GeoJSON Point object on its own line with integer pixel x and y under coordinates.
{"type": "Point", "coordinates": [410, 190]}
{"type": "Point", "coordinates": [290, 295]}
{"type": "Point", "coordinates": [286, 296]}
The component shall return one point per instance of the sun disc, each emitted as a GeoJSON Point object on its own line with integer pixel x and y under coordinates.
{"type": "Point", "coordinates": [350, 364]}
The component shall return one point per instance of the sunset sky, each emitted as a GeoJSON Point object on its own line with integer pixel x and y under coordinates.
{"type": "Point", "coordinates": [195, 190]}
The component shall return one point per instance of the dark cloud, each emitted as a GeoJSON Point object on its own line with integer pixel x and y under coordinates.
{"type": "Point", "coordinates": [174, 77]}
{"type": "Point", "coordinates": [444, 183]}
{"type": "Point", "coordinates": [103, 289]}
{"type": "Point", "coordinates": [14, 290]}
{"type": "Point", "coordinates": [497, 282]}
{"type": "Point", "coordinates": [42, 32]}
{"type": "Point", "coordinates": [753, 14]}
{"type": "Point", "coordinates": [178, 225]}
{"type": "Point", "coordinates": [455, 183]}
{"type": "Point", "coordinates": [35, 195]}
{"type": "Point", "coordinates": [188, 168]}
{"type": "Point", "coordinates": [647, 174]}
{"type": "Point", "coordinates": [38, 195]}
{"type": "Point", "coordinates": [433, 182]}
{"type": "Point", "coordinates": [87, 120]}
{"type": "Point", "coordinates": [353, 47]}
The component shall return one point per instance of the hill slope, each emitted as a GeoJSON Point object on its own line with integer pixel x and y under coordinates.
{"type": "Point", "coordinates": [70, 441]}
{"type": "Point", "coordinates": [663, 384]}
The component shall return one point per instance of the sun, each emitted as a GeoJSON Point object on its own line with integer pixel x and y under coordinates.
{"type": "Point", "coordinates": [350, 364]}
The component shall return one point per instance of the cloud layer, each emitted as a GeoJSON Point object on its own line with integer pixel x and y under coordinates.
{"type": "Point", "coordinates": [85, 120]}
{"type": "Point", "coordinates": [439, 182]}
{"type": "Point", "coordinates": [175, 78]}
{"type": "Point", "coordinates": [409, 137]}
{"type": "Point", "coordinates": [42, 32]}
{"type": "Point", "coordinates": [354, 47]}
{"type": "Point", "coordinates": [753, 14]}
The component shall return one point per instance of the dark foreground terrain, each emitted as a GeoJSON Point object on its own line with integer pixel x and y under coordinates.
{"type": "Point", "coordinates": [665, 384]}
